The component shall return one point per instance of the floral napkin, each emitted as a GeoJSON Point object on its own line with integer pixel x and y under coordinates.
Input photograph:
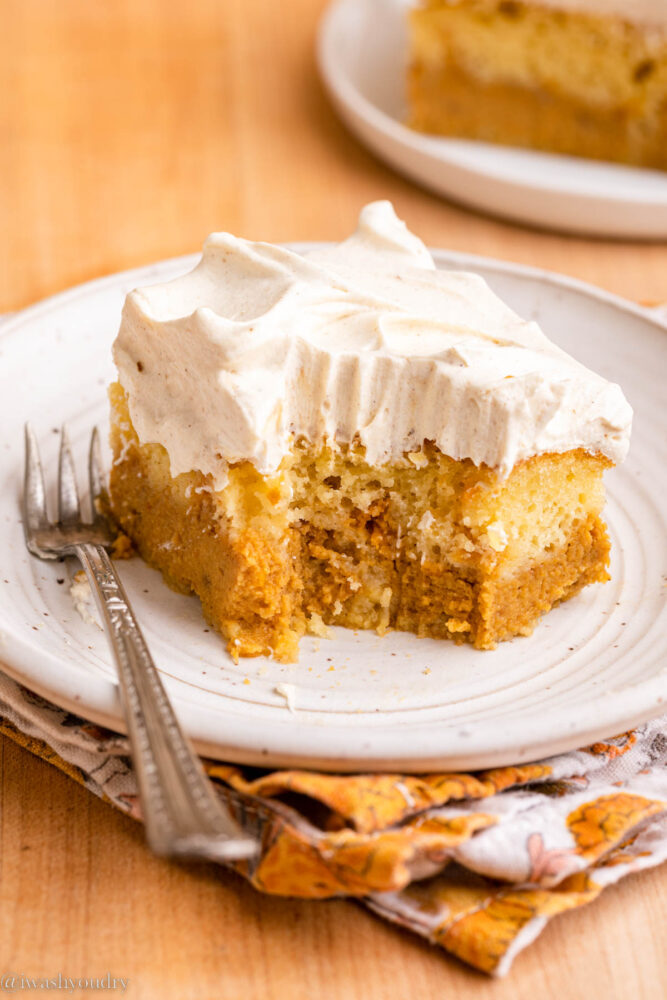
{"type": "Point", "coordinates": [477, 863]}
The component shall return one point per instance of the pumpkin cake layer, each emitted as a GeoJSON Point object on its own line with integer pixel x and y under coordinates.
{"type": "Point", "coordinates": [570, 76]}
{"type": "Point", "coordinates": [426, 544]}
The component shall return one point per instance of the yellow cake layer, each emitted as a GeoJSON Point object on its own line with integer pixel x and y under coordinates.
{"type": "Point", "coordinates": [531, 75]}
{"type": "Point", "coordinates": [426, 544]}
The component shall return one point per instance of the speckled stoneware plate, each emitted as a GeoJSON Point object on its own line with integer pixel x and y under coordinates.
{"type": "Point", "coordinates": [362, 57]}
{"type": "Point", "coordinates": [593, 667]}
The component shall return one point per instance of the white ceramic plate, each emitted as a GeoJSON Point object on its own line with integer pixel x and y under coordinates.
{"type": "Point", "coordinates": [362, 58]}
{"type": "Point", "coordinates": [592, 668]}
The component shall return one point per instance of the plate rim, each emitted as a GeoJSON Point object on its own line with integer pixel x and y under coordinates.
{"type": "Point", "coordinates": [626, 702]}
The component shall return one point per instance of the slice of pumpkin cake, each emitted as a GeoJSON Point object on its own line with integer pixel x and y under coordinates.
{"type": "Point", "coordinates": [354, 437]}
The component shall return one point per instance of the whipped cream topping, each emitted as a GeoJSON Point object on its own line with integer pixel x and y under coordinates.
{"type": "Point", "coordinates": [259, 346]}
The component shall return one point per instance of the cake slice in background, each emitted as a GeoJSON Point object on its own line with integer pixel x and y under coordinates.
{"type": "Point", "coordinates": [354, 437]}
{"type": "Point", "coordinates": [584, 77]}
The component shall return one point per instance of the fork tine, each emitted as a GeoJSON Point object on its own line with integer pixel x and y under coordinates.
{"type": "Point", "coordinates": [34, 495]}
{"type": "Point", "coordinates": [68, 495]}
{"type": "Point", "coordinates": [95, 471]}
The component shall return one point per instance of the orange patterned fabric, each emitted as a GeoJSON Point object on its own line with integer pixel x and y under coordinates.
{"type": "Point", "coordinates": [477, 863]}
{"type": "Point", "coordinates": [374, 801]}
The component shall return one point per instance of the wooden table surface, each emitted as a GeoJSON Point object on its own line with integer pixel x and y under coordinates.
{"type": "Point", "coordinates": [128, 131]}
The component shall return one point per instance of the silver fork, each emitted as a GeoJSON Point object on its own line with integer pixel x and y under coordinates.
{"type": "Point", "coordinates": [183, 815]}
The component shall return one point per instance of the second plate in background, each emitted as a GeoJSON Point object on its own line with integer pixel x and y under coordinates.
{"type": "Point", "coordinates": [362, 58]}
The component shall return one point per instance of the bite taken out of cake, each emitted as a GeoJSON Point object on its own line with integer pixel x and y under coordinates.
{"type": "Point", "coordinates": [354, 437]}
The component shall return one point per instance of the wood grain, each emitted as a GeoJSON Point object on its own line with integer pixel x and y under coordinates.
{"type": "Point", "coordinates": [128, 131]}
{"type": "Point", "coordinates": [131, 130]}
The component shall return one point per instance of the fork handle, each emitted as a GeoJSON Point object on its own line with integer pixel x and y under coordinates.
{"type": "Point", "coordinates": [183, 815]}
